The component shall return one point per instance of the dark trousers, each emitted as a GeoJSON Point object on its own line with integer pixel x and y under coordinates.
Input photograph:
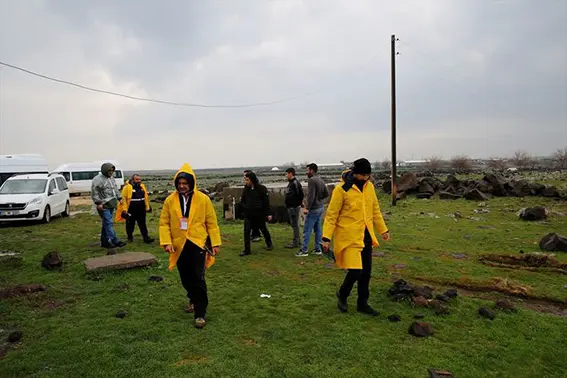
{"type": "Point", "coordinates": [137, 212]}
{"type": "Point", "coordinates": [362, 276]}
{"type": "Point", "coordinates": [191, 267]}
{"type": "Point", "coordinates": [255, 222]}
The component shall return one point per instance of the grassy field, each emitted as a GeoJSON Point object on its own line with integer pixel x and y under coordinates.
{"type": "Point", "coordinates": [71, 329]}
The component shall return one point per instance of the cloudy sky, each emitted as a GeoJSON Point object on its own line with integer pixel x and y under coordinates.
{"type": "Point", "coordinates": [477, 77]}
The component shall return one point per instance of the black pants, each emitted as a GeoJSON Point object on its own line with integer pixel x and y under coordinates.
{"type": "Point", "coordinates": [360, 275]}
{"type": "Point", "coordinates": [137, 212]}
{"type": "Point", "coordinates": [259, 223]}
{"type": "Point", "coordinates": [191, 267]}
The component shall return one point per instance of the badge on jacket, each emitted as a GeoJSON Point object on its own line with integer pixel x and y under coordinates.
{"type": "Point", "coordinates": [183, 223]}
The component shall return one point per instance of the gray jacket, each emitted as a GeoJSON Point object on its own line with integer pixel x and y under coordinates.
{"type": "Point", "coordinates": [104, 189]}
{"type": "Point", "coordinates": [317, 192]}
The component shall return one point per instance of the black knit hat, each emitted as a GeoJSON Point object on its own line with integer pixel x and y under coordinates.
{"type": "Point", "coordinates": [362, 166]}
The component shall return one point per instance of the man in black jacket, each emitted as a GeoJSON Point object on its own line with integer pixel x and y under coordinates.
{"type": "Point", "coordinates": [255, 234]}
{"type": "Point", "coordinates": [293, 201]}
{"type": "Point", "coordinates": [255, 202]}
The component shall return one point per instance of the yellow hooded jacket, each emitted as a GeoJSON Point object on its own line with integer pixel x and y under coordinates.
{"type": "Point", "coordinates": [201, 223]}
{"type": "Point", "coordinates": [124, 205]}
{"type": "Point", "coordinates": [350, 211]}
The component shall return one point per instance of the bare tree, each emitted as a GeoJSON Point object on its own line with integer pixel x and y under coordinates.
{"type": "Point", "coordinates": [497, 163]}
{"type": "Point", "coordinates": [433, 163]}
{"type": "Point", "coordinates": [461, 163]}
{"type": "Point", "coordinates": [386, 164]}
{"type": "Point", "coordinates": [560, 158]}
{"type": "Point", "coordinates": [522, 159]}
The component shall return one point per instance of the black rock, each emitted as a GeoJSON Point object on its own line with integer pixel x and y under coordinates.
{"type": "Point", "coordinates": [486, 313]}
{"type": "Point", "coordinates": [475, 195]}
{"type": "Point", "coordinates": [451, 293]}
{"type": "Point", "coordinates": [155, 278]}
{"type": "Point", "coordinates": [420, 329]}
{"type": "Point", "coordinates": [121, 314]}
{"type": "Point", "coordinates": [533, 213]}
{"type": "Point", "coordinates": [394, 318]}
{"type": "Point", "coordinates": [553, 242]}
{"type": "Point", "coordinates": [423, 291]}
{"type": "Point", "coordinates": [442, 298]}
{"type": "Point", "coordinates": [419, 316]}
{"type": "Point", "coordinates": [52, 261]}
{"type": "Point", "coordinates": [15, 336]}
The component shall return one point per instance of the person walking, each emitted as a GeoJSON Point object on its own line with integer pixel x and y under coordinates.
{"type": "Point", "coordinates": [293, 201]}
{"type": "Point", "coordinates": [133, 208]}
{"type": "Point", "coordinates": [106, 196]}
{"type": "Point", "coordinates": [255, 232]}
{"type": "Point", "coordinates": [189, 233]}
{"type": "Point", "coordinates": [314, 208]}
{"type": "Point", "coordinates": [256, 204]}
{"type": "Point", "coordinates": [352, 216]}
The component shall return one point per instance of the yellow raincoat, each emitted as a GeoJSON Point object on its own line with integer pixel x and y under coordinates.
{"type": "Point", "coordinates": [201, 223]}
{"type": "Point", "coordinates": [124, 205]}
{"type": "Point", "coordinates": [350, 211]}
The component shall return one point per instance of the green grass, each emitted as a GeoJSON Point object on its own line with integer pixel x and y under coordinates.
{"type": "Point", "coordinates": [71, 329]}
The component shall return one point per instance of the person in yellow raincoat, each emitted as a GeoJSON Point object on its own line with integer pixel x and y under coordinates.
{"type": "Point", "coordinates": [189, 232]}
{"type": "Point", "coordinates": [133, 208]}
{"type": "Point", "coordinates": [352, 216]}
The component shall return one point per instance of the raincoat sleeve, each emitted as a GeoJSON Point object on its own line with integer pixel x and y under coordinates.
{"type": "Point", "coordinates": [333, 211]}
{"type": "Point", "coordinates": [377, 218]}
{"type": "Point", "coordinates": [95, 192]}
{"type": "Point", "coordinates": [164, 225]}
{"type": "Point", "coordinates": [146, 197]}
{"type": "Point", "coordinates": [212, 225]}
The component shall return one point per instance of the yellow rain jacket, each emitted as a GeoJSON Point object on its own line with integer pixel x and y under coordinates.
{"type": "Point", "coordinates": [350, 211]}
{"type": "Point", "coordinates": [124, 205]}
{"type": "Point", "coordinates": [201, 223]}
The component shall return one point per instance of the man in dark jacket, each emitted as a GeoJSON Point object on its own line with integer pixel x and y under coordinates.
{"type": "Point", "coordinates": [255, 234]}
{"type": "Point", "coordinates": [255, 202]}
{"type": "Point", "coordinates": [293, 201]}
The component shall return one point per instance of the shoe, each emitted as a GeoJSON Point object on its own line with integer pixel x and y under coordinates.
{"type": "Point", "coordinates": [301, 254]}
{"type": "Point", "coordinates": [317, 253]}
{"type": "Point", "coordinates": [190, 308]}
{"type": "Point", "coordinates": [120, 244]}
{"type": "Point", "coordinates": [245, 253]}
{"type": "Point", "coordinates": [256, 239]}
{"type": "Point", "coordinates": [130, 240]}
{"type": "Point", "coordinates": [149, 240]}
{"type": "Point", "coordinates": [200, 323]}
{"type": "Point", "coordinates": [291, 246]}
{"type": "Point", "coordinates": [366, 309]}
{"type": "Point", "coordinates": [107, 245]}
{"type": "Point", "coordinates": [269, 248]}
{"type": "Point", "coordinates": [342, 303]}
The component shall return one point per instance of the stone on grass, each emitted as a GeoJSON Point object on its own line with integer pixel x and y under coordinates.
{"type": "Point", "coordinates": [553, 242]}
{"type": "Point", "coordinates": [505, 305]}
{"type": "Point", "coordinates": [52, 261]}
{"type": "Point", "coordinates": [15, 336]}
{"type": "Point", "coordinates": [442, 298]}
{"type": "Point", "coordinates": [486, 313]}
{"type": "Point", "coordinates": [451, 293]}
{"type": "Point", "coordinates": [126, 260]}
{"type": "Point", "coordinates": [533, 213]}
{"type": "Point", "coordinates": [155, 278]}
{"type": "Point", "coordinates": [439, 373]}
{"type": "Point", "coordinates": [395, 318]}
{"type": "Point", "coordinates": [423, 291]}
{"type": "Point", "coordinates": [121, 314]}
{"type": "Point", "coordinates": [420, 329]}
{"type": "Point", "coordinates": [420, 302]}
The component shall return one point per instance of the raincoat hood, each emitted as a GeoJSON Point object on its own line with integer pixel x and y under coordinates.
{"type": "Point", "coordinates": [106, 167]}
{"type": "Point", "coordinates": [187, 173]}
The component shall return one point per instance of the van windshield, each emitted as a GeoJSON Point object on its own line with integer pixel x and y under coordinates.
{"type": "Point", "coordinates": [23, 186]}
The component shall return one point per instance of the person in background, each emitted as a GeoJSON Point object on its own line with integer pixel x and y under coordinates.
{"type": "Point", "coordinates": [189, 232]}
{"type": "Point", "coordinates": [314, 208]}
{"type": "Point", "coordinates": [293, 201]}
{"type": "Point", "coordinates": [106, 196]}
{"type": "Point", "coordinates": [133, 208]}
{"type": "Point", "coordinates": [255, 233]}
{"type": "Point", "coordinates": [256, 204]}
{"type": "Point", "coordinates": [352, 216]}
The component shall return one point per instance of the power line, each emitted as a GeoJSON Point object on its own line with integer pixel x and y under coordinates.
{"type": "Point", "coordinates": [163, 102]}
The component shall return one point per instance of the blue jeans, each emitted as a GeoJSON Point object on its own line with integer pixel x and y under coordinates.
{"type": "Point", "coordinates": [107, 234]}
{"type": "Point", "coordinates": [313, 222]}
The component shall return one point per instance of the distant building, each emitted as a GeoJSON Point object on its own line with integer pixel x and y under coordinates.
{"type": "Point", "coordinates": [275, 169]}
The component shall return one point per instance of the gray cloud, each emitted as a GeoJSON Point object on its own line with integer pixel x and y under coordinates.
{"type": "Point", "coordinates": [477, 77]}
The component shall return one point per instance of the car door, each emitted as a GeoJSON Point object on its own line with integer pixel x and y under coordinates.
{"type": "Point", "coordinates": [63, 192]}
{"type": "Point", "coordinates": [52, 197]}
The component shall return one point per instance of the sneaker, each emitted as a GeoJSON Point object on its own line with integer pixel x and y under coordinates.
{"type": "Point", "coordinates": [316, 252]}
{"type": "Point", "coordinates": [120, 244]}
{"type": "Point", "coordinates": [149, 240]}
{"type": "Point", "coordinates": [190, 308]}
{"type": "Point", "coordinates": [301, 254]}
{"type": "Point", "coordinates": [366, 309]}
{"type": "Point", "coordinates": [130, 240]}
{"type": "Point", "coordinates": [200, 323]}
{"type": "Point", "coordinates": [245, 253]}
{"type": "Point", "coordinates": [291, 246]}
{"type": "Point", "coordinates": [269, 248]}
{"type": "Point", "coordinates": [342, 303]}
{"type": "Point", "coordinates": [256, 239]}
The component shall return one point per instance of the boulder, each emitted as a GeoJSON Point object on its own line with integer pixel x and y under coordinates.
{"type": "Point", "coordinates": [451, 181]}
{"type": "Point", "coordinates": [448, 196]}
{"type": "Point", "coordinates": [475, 195]}
{"type": "Point", "coordinates": [533, 213]}
{"type": "Point", "coordinates": [408, 182]}
{"type": "Point", "coordinates": [536, 188]}
{"type": "Point", "coordinates": [497, 182]}
{"type": "Point", "coordinates": [425, 188]}
{"type": "Point", "coordinates": [484, 186]}
{"type": "Point", "coordinates": [553, 242]}
{"type": "Point", "coordinates": [387, 186]}
{"type": "Point", "coordinates": [420, 329]}
{"type": "Point", "coordinates": [52, 261]}
{"type": "Point", "coordinates": [550, 191]}
{"type": "Point", "coordinates": [518, 188]}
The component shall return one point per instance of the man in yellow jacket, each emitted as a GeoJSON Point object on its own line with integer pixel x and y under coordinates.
{"type": "Point", "coordinates": [352, 216]}
{"type": "Point", "coordinates": [133, 208]}
{"type": "Point", "coordinates": [189, 232]}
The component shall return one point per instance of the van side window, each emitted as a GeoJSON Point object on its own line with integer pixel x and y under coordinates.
{"type": "Point", "coordinates": [51, 185]}
{"type": "Point", "coordinates": [61, 183]}
{"type": "Point", "coordinates": [84, 176]}
{"type": "Point", "coordinates": [67, 175]}
{"type": "Point", "coordinates": [118, 174]}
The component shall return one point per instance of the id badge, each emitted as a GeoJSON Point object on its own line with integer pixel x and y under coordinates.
{"type": "Point", "coordinates": [183, 223]}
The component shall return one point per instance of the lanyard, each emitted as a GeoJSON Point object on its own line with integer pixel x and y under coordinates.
{"type": "Point", "coordinates": [185, 208]}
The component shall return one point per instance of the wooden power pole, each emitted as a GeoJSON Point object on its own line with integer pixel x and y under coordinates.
{"type": "Point", "coordinates": [394, 159]}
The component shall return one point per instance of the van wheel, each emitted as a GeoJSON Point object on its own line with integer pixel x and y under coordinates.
{"type": "Point", "coordinates": [47, 215]}
{"type": "Point", "coordinates": [67, 210]}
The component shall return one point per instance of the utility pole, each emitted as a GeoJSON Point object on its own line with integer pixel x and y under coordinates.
{"type": "Point", "coordinates": [394, 159]}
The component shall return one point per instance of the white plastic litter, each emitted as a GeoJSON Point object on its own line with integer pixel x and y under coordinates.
{"type": "Point", "coordinates": [265, 296]}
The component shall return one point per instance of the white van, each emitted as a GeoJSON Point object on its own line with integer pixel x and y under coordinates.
{"type": "Point", "coordinates": [79, 176]}
{"type": "Point", "coordinates": [21, 163]}
{"type": "Point", "coordinates": [34, 197]}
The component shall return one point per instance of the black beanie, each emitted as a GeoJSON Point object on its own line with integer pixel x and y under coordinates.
{"type": "Point", "coordinates": [362, 167]}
